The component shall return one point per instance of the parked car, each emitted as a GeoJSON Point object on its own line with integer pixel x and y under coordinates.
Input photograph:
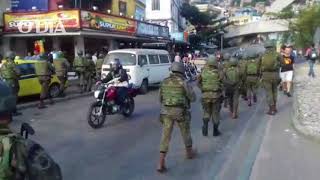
{"type": "Point", "coordinates": [29, 83]}
{"type": "Point", "coordinates": [145, 66]}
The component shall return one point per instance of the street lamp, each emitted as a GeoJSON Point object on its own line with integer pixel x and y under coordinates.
{"type": "Point", "coordinates": [109, 11]}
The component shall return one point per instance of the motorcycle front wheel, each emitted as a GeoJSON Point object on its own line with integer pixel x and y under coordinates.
{"type": "Point", "coordinates": [96, 118]}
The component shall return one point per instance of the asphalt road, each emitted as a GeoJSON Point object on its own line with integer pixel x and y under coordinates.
{"type": "Point", "coordinates": [128, 148]}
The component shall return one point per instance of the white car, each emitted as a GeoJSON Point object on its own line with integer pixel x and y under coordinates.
{"type": "Point", "coordinates": [145, 66]}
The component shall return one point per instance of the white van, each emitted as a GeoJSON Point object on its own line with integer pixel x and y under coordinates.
{"type": "Point", "coordinates": [145, 66]}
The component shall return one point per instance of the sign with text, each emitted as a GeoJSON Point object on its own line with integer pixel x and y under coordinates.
{"type": "Point", "coordinates": [26, 5]}
{"type": "Point", "coordinates": [51, 22]}
{"type": "Point", "coordinates": [147, 29]}
{"type": "Point", "coordinates": [104, 22]}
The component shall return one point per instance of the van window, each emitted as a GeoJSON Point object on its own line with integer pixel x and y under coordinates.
{"type": "Point", "coordinates": [164, 59]}
{"type": "Point", "coordinates": [153, 59]}
{"type": "Point", "coordinates": [126, 59]}
{"type": "Point", "coordinates": [142, 60]}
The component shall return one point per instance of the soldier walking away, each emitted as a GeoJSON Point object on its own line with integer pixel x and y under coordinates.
{"type": "Point", "coordinates": [175, 98]}
{"type": "Point", "coordinates": [10, 74]}
{"type": "Point", "coordinates": [242, 67]}
{"type": "Point", "coordinates": [270, 66]}
{"type": "Point", "coordinates": [90, 72]}
{"type": "Point", "coordinates": [44, 71]}
{"type": "Point", "coordinates": [232, 81]}
{"type": "Point", "coordinates": [210, 83]}
{"type": "Point", "coordinates": [62, 66]}
{"type": "Point", "coordinates": [252, 78]}
{"type": "Point", "coordinates": [99, 64]}
{"type": "Point", "coordinates": [80, 65]}
{"type": "Point", "coordinates": [224, 65]}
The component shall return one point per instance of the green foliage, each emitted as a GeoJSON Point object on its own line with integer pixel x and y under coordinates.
{"type": "Point", "coordinates": [304, 28]}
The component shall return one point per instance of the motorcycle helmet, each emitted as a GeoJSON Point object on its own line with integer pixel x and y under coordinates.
{"type": "Point", "coordinates": [115, 65]}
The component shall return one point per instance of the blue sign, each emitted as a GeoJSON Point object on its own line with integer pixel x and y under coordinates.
{"type": "Point", "coordinates": [26, 5]}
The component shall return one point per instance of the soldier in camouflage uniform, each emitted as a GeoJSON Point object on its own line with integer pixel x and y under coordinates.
{"type": "Point", "coordinates": [252, 77]}
{"type": "Point", "coordinates": [210, 83]}
{"type": "Point", "coordinates": [99, 64]}
{"type": "Point", "coordinates": [175, 98]}
{"type": "Point", "coordinates": [225, 65]}
{"type": "Point", "coordinates": [62, 66]}
{"type": "Point", "coordinates": [90, 72]}
{"type": "Point", "coordinates": [44, 71]}
{"type": "Point", "coordinates": [10, 74]}
{"type": "Point", "coordinates": [242, 67]}
{"type": "Point", "coordinates": [270, 66]}
{"type": "Point", "coordinates": [80, 65]}
{"type": "Point", "coordinates": [232, 81]}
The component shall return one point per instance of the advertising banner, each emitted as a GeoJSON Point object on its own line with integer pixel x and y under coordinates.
{"type": "Point", "coordinates": [26, 5]}
{"type": "Point", "coordinates": [104, 22]}
{"type": "Point", "coordinates": [147, 29]}
{"type": "Point", "coordinates": [51, 22]}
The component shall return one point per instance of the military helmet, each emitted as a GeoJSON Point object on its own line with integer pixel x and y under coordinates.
{"type": "Point", "coordinates": [11, 55]}
{"type": "Point", "coordinates": [7, 99]}
{"type": "Point", "coordinates": [269, 44]}
{"type": "Point", "coordinates": [226, 56]}
{"type": "Point", "coordinates": [177, 67]}
{"type": "Point", "coordinates": [233, 61]}
{"type": "Point", "coordinates": [212, 61]}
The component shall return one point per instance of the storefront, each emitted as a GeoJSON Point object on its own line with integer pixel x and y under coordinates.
{"type": "Point", "coordinates": [74, 30]}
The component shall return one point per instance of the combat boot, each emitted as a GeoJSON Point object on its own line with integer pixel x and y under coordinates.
{"type": "Point", "coordinates": [216, 131]}
{"type": "Point", "coordinates": [255, 98]}
{"type": "Point", "coordinates": [205, 128]}
{"type": "Point", "coordinates": [162, 163]}
{"type": "Point", "coordinates": [190, 153]}
{"type": "Point", "coordinates": [270, 112]}
{"type": "Point", "coordinates": [41, 104]}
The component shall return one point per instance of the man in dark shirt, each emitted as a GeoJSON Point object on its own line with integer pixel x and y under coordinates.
{"type": "Point", "coordinates": [286, 74]}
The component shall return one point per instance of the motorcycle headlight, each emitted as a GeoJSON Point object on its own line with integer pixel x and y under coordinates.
{"type": "Point", "coordinates": [96, 94]}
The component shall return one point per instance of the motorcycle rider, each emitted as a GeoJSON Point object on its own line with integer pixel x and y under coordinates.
{"type": "Point", "coordinates": [118, 72]}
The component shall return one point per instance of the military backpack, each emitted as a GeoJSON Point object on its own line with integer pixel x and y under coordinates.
{"type": "Point", "coordinates": [6, 172]}
{"type": "Point", "coordinates": [269, 62]}
{"type": "Point", "coordinates": [210, 80]}
{"type": "Point", "coordinates": [252, 67]}
{"type": "Point", "coordinates": [7, 71]}
{"type": "Point", "coordinates": [42, 68]}
{"type": "Point", "coordinates": [173, 92]}
{"type": "Point", "coordinates": [232, 76]}
{"type": "Point", "coordinates": [99, 64]}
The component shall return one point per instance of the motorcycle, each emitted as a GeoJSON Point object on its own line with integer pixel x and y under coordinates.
{"type": "Point", "coordinates": [106, 103]}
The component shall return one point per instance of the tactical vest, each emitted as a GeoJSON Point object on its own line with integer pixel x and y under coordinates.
{"type": "Point", "coordinates": [173, 92]}
{"type": "Point", "coordinates": [99, 64]}
{"type": "Point", "coordinates": [42, 68]}
{"type": "Point", "coordinates": [59, 65]}
{"type": "Point", "coordinates": [7, 71]}
{"type": "Point", "coordinates": [252, 67]}
{"type": "Point", "coordinates": [80, 64]}
{"type": "Point", "coordinates": [210, 80]}
{"type": "Point", "coordinates": [232, 75]}
{"type": "Point", "coordinates": [269, 62]}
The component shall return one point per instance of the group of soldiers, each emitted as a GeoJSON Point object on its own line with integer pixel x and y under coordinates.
{"type": "Point", "coordinates": [47, 66]}
{"type": "Point", "coordinates": [219, 81]}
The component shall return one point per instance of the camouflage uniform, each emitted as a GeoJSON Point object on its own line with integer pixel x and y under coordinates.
{"type": "Point", "coordinates": [243, 85]}
{"type": "Point", "coordinates": [252, 80]}
{"type": "Point", "coordinates": [175, 97]}
{"type": "Point", "coordinates": [80, 65]}
{"type": "Point", "coordinates": [270, 77]}
{"type": "Point", "coordinates": [210, 83]}
{"type": "Point", "coordinates": [90, 73]}
{"type": "Point", "coordinates": [61, 65]}
{"type": "Point", "coordinates": [99, 67]}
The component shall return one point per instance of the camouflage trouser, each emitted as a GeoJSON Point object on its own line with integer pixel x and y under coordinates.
{"type": "Point", "coordinates": [168, 123]}
{"type": "Point", "coordinates": [270, 87]}
{"type": "Point", "coordinates": [243, 88]}
{"type": "Point", "coordinates": [252, 86]}
{"type": "Point", "coordinates": [211, 110]}
{"type": "Point", "coordinates": [45, 83]}
{"type": "Point", "coordinates": [82, 80]}
{"type": "Point", "coordinates": [63, 80]}
{"type": "Point", "coordinates": [233, 99]}
{"type": "Point", "coordinates": [89, 81]}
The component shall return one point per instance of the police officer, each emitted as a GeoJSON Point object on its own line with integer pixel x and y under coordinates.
{"type": "Point", "coordinates": [232, 81]}
{"type": "Point", "coordinates": [80, 65]}
{"type": "Point", "coordinates": [44, 71]}
{"type": "Point", "coordinates": [99, 64]}
{"type": "Point", "coordinates": [15, 167]}
{"type": "Point", "coordinates": [175, 98]}
{"type": "Point", "coordinates": [62, 66]}
{"type": "Point", "coordinates": [210, 83]}
{"type": "Point", "coordinates": [252, 77]}
{"type": "Point", "coordinates": [10, 74]}
{"type": "Point", "coordinates": [270, 66]}
{"type": "Point", "coordinates": [90, 72]}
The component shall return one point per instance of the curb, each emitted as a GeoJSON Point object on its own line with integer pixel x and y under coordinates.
{"type": "Point", "coordinates": [296, 123]}
{"type": "Point", "coordinates": [67, 98]}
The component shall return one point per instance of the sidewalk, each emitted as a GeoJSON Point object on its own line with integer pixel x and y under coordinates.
{"type": "Point", "coordinates": [71, 92]}
{"type": "Point", "coordinates": [284, 154]}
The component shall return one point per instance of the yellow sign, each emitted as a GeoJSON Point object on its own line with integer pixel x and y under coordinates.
{"type": "Point", "coordinates": [51, 22]}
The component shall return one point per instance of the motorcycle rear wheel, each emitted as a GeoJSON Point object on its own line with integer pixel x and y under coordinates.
{"type": "Point", "coordinates": [128, 107]}
{"type": "Point", "coordinates": [95, 120]}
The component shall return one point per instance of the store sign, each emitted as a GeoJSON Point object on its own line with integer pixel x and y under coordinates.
{"type": "Point", "coordinates": [51, 22]}
{"type": "Point", "coordinates": [104, 22]}
{"type": "Point", "coordinates": [180, 36]}
{"type": "Point", "coordinates": [164, 31]}
{"type": "Point", "coordinates": [26, 5]}
{"type": "Point", "coordinates": [147, 29]}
